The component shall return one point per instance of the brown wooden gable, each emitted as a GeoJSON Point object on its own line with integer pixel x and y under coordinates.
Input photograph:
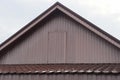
{"type": "Point", "coordinates": [107, 45]}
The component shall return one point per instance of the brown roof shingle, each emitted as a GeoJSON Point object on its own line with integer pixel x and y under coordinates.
{"type": "Point", "coordinates": [59, 68]}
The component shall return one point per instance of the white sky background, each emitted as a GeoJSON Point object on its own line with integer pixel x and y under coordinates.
{"type": "Point", "coordinates": [14, 14]}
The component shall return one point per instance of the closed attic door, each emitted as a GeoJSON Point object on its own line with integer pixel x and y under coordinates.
{"type": "Point", "coordinates": [56, 47]}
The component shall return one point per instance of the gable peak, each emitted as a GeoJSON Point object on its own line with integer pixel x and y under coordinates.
{"type": "Point", "coordinates": [68, 12]}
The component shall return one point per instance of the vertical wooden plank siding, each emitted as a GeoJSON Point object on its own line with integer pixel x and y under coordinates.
{"type": "Point", "coordinates": [59, 77]}
{"type": "Point", "coordinates": [81, 46]}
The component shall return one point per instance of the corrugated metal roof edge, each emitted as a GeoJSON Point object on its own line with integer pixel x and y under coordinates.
{"type": "Point", "coordinates": [102, 68]}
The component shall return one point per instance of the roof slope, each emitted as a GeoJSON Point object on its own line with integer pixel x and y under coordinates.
{"type": "Point", "coordinates": [57, 6]}
{"type": "Point", "coordinates": [60, 68]}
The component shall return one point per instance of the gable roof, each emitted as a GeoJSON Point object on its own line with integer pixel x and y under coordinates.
{"type": "Point", "coordinates": [58, 6]}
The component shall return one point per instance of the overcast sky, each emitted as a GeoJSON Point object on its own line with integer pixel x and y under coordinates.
{"type": "Point", "coordinates": [14, 14]}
